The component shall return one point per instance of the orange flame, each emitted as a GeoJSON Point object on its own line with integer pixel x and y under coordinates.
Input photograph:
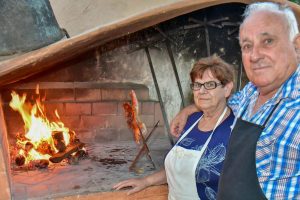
{"type": "Point", "coordinates": [38, 129]}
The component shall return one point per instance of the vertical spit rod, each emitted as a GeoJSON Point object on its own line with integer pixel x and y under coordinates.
{"type": "Point", "coordinates": [175, 72]}
{"type": "Point", "coordinates": [162, 106]}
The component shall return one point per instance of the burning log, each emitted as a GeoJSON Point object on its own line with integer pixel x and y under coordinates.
{"type": "Point", "coordinates": [60, 146]}
{"type": "Point", "coordinates": [28, 146]}
{"type": "Point", "coordinates": [41, 164]}
{"type": "Point", "coordinates": [58, 157]}
{"type": "Point", "coordinates": [59, 142]}
{"type": "Point", "coordinates": [73, 138]}
{"type": "Point", "coordinates": [45, 148]}
{"type": "Point", "coordinates": [20, 160]}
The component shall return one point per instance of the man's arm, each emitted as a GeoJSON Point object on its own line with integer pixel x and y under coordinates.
{"type": "Point", "coordinates": [179, 121]}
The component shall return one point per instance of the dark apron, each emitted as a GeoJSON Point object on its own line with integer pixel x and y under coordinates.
{"type": "Point", "coordinates": [238, 179]}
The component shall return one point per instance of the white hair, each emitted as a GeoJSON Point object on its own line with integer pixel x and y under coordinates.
{"type": "Point", "coordinates": [275, 7]}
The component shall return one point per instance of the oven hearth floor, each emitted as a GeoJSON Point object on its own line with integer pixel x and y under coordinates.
{"type": "Point", "coordinates": [107, 164]}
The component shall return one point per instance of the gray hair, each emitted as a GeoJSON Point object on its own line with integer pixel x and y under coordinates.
{"type": "Point", "coordinates": [275, 7]}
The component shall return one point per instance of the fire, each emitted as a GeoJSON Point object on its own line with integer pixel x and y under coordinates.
{"type": "Point", "coordinates": [38, 142]}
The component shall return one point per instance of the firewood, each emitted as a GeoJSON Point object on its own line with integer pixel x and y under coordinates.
{"type": "Point", "coordinates": [59, 142]}
{"type": "Point", "coordinates": [45, 148]}
{"type": "Point", "coordinates": [58, 135]}
{"type": "Point", "coordinates": [73, 160]}
{"type": "Point", "coordinates": [20, 160]}
{"type": "Point", "coordinates": [81, 154]}
{"type": "Point", "coordinates": [41, 164]}
{"type": "Point", "coordinates": [73, 137]}
{"type": "Point", "coordinates": [60, 146]}
{"type": "Point", "coordinates": [58, 157]}
{"type": "Point", "coordinates": [28, 146]}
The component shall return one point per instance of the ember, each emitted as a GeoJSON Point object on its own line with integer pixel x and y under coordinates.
{"type": "Point", "coordinates": [42, 140]}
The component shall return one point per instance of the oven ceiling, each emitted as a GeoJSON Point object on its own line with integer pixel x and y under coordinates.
{"type": "Point", "coordinates": [34, 62]}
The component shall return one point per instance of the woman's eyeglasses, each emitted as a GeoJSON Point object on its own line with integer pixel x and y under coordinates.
{"type": "Point", "coordinates": [209, 85]}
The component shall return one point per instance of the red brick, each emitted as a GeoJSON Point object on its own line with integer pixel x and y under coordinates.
{"type": "Point", "coordinates": [30, 94]}
{"type": "Point", "coordinates": [9, 112]}
{"type": "Point", "coordinates": [87, 94]}
{"type": "Point", "coordinates": [86, 135]}
{"type": "Point", "coordinates": [71, 122]}
{"type": "Point", "coordinates": [14, 125]}
{"type": "Point", "coordinates": [148, 120]}
{"type": "Point", "coordinates": [78, 109]}
{"type": "Point", "coordinates": [51, 107]}
{"type": "Point", "coordinates": [103, 121]}
{"type": "Point", "coordinates": [158, 115]}
{"type": "Point", "coordinates": [120, 121]}
{"type": "Point", "coordinates": [114, 94]}
{"type": "Point", "coordinates": [60, 95]}
{"type": "Point", "coordinates": [99, 121]}
{"type": "Point", "coordinates": [6, 95]}
{"type": "Point", "coordinates": [121, 109]}
{"type": "Point", "coordinates": [147, 108]}
{"type": "Point", "coordinates": [105, 108]}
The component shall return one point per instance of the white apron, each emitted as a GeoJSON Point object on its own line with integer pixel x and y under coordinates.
{"type": "Point", "coordinates": [181, 164]}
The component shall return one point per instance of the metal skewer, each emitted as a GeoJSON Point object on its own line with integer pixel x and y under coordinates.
{"type": "Point", "coordinates": [144, 148]}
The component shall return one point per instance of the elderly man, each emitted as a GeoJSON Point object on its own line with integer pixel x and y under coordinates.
{"type": "Point", "coordinates": [263, 157]}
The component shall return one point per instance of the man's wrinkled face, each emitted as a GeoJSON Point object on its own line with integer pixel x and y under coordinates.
{"type": "Point", "coordinates": [268, 54]}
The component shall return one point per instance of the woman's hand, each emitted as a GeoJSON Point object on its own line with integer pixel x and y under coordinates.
{"type": "Point", "coordinates": [179, 121]}
{"type": "Point", "coordinates": [136, 185]}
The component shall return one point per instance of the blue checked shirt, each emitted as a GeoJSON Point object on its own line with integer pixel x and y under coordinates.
{"type": "Point", "coordinates": [278, 148]}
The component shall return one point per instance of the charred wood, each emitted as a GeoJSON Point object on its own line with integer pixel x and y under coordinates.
{"type": "Point", "coordinates": [59, 142]}
{"type": "Point", "coordinates": [58, 157]}
{"type": "Point", "coordinates": [41, 164]}
{"type": "Point", "coordinates": [20, 160]}
{"type": "Point", "coordinates": [58, 135]}
{"type": "Point", "coordinates": [60, 145]}
{"type": "Point", "coordinates": [28, 146]}
{"type": "Point", "coordinates": [79, 155]}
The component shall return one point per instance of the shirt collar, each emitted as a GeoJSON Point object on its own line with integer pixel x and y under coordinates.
{"type": "Point", "coordinates": [291, 87]}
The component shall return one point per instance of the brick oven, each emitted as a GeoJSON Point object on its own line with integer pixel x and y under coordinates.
{"type": "Point", "coordinates": [88, 78]}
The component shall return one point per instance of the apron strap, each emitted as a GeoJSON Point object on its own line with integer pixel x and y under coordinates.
{"type": "Point", "coordinates": [213, 131]}
{"type": "Point", "coordinates": [264, 125]}
{"type": "Point", "coordinates": [269, 116]}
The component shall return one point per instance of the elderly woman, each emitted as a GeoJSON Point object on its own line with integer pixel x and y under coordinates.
{"type": "Point", "coordinates": [192, 167]}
